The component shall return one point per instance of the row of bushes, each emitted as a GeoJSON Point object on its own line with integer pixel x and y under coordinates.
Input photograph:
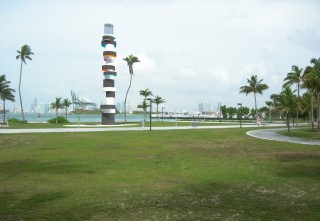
{"type": "Point", "coordinates": [60, 120]}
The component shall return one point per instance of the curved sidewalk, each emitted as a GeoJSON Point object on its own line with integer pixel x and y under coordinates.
{"type": "Point", "coordinates": [271, 134]}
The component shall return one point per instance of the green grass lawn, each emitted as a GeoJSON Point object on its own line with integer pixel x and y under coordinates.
{"type": "Point", "coordinates": [219, 174]}
{"type": "Point", "coordinates": [305, 133]}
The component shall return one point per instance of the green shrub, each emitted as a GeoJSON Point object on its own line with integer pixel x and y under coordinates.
{"type": "Point", "coordinates": [60, 120]}
{"type": "Point", "coordinates": [16, 121]}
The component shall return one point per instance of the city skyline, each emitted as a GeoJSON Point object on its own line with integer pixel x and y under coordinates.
{"type": "Point", "coordinates": [197, 52]}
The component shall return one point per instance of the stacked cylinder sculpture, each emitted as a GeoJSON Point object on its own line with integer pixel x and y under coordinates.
{"type": "Point", "coordinates": [109, 71]}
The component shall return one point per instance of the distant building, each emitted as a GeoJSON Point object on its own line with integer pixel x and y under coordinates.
{"type": "Point", "coordinates": [204, 107]}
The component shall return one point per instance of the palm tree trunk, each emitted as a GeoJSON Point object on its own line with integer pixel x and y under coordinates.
{"type": "Point", "coordinates": [288, 122]}
{"type": "Point", "coordinates": [157, 112]}
{"type": "Point", "coordinates": [312, 117]}
{"type": "Point", "coordinates": [66, 113]}
{"type": "Point", "coordinates": [270, 115]}
{"type": "Point", "coordinates": [4, 110]}
{"type": "Point", "coordinates": [20, 92]}
{"type": "Point", "coordinates": [318, 111]}
{"type": "Point", "coordinates": [56, 115]}
{"type": "Point", "coordinates": [125, 100]}
{"type": "Point", "coordinates": [255, 105]}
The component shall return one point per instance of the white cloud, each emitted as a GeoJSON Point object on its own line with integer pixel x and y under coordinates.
{"type": "Point", "coordinates": [189, 52]}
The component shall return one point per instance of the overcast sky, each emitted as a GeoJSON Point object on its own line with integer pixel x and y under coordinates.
{"type": "Point", "coordinates": [190, 51]}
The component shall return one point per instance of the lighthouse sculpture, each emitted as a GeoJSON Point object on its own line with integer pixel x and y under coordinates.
{"type": "Point", "coordinates": [109, 71]}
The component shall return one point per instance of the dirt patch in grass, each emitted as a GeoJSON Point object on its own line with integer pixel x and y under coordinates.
{"type": "Point", "coordinates": [297, 156]}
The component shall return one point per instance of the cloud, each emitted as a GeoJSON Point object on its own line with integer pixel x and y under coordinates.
{"type": "Point", "coordinates": [146, 64]}
{"type": "Point", "coordinates": [307, 38]}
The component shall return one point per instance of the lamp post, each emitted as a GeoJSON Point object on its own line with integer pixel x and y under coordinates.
{"type": "Point", "coordinates": [240, 104]}
{"type": "Point", "coordinates": [150, 99]}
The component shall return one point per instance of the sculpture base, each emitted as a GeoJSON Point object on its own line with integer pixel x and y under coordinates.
{"type": "Point", "coordinates": [107, 119]}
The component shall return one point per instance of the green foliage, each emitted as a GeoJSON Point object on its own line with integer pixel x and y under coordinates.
{"type": "Point", "coordinates": [16, 121]}
{"type": "Point", "coordinates": [59, 120]}
{"type": "Point", "coordinates": [224, 111]}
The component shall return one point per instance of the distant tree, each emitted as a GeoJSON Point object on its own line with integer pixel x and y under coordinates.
{"type": "Point", "coordinates": [24, 54]}
{"type": "Point", "coordinates": [254, 86]}
{"type": "Point", "coordinates": [131, 59]}
{"type": "Point", "coordinates": [224, 112]}
{"type": "Point", "coordinates": [158, 100]}
{"type": "Point", "coordinates": [269, 104]}
{"type": "Point", "coordinates": [66, 103]}
{"type": "Point", "coordinates": [287, 104]}
{"type": "Point", "coordinates": [253, 113]}
{"type": "Point", "coordinates": [245, 112]}
{"type": "Point", "coordinates": [264, 111]}
{"type": "Point", "coordinates": [231, 112]}
{"type": "Point", "coordinates": [144, 106]}
{"type": "Point", "coordinates": [6, 93]}
{"type": "Point", "coordinates": [145, 93]}
{"type": "Point", "coordinates": [57, 105]}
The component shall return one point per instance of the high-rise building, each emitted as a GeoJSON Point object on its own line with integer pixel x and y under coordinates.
{"type": "Point", "coordinates": [109, 71]}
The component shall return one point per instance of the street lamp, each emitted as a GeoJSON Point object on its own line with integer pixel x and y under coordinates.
{"type": "Point", "coordinates": [150, 99]}
{"type": "Point", "coordinates": [240, 104]}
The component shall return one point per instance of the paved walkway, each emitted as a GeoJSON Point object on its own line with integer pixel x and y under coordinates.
{"type": "Point", "coordinates": [96, 129]}
{"type": "Point", "coordinates": [268, 134]}
{"type": "Point", "coordinates": [272, 134]}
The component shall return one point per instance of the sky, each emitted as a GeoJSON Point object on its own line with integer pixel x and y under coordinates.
{"type": "Point", "coordinates": [191, 51]}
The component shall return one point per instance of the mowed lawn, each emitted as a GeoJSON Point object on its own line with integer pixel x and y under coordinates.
{"type": "Point", "coordinates": [217, 174]}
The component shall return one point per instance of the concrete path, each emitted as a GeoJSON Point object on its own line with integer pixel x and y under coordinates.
{"type": "Point", "coordinates": [97, 129]}
{"type": "Point", "coordinates": [268, 134]}
{"type": "Point", "coordinates": [271, 134]}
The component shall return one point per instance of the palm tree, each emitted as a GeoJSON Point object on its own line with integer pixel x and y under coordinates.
{"type": "Point", "coordinates": [6, 93]}
{"type": "Point", "coordinates": [57, 105]}
{"type": "Point", "coordinates": [144, 105]}
{"type": "Point", "coordinates": [145, 93]}
{"type": "Point", "coordinates": [23, 55]}
{"type": "Point", "coordinates": [294, 77]}
{"type": "Point", "coordinates": [306, 103]}
{"type": "Point", "coordinates": [158, 100]}
{"type": "Point", "coordinates": [287, 104]}
{"type": "Point", "coordinates": [269, 104]}
{"type": "Point", "coordinates": [131, 59]}
{"type": "Point", "coordinates": [66, 103]}
{"type": "Point", "coordinates": [255, 86]}
{"type": "Point", "coordinates": [311, 80]}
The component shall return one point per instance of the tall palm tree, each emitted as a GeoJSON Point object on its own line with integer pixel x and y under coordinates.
{"type": "Point", "coordinates": [57, 105]}
{"type": "Point", "coordinates": [311, 80]}
{"type": "Point", "coordinates": [287, 104]}
{"type": "Point", "coordinates": [158, 100]}
{"type": "Point", "coordinates": [294, 77]}
{"type": "Point", "coordinates": [131, 59]}
{"type": "Point", "coordinates": [145, 93]}
{"type": "Point", "coordinates": [66, 103]}
{"type": "Point", "coordinates": [24, 54]}
{"type": "Point", "coordinates": [306, 103]}
{"type": "Point", "coordinates": [256, 87]}
{"type": "Point", "coordinates": [6, 93]}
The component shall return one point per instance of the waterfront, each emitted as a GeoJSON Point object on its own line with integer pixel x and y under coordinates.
{"type": "Point", "coordinates": [42, 118]}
